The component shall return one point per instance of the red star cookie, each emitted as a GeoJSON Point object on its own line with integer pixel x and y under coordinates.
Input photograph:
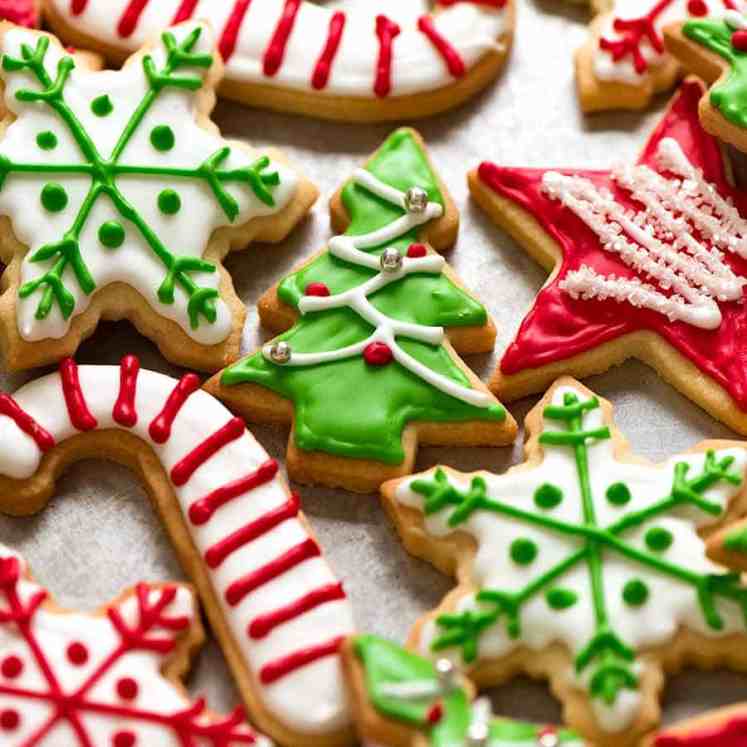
{"type": "Point", "coordinates": [648, 260]}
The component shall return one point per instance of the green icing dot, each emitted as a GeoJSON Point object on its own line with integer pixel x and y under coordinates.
{"type": "Point", "coordinates": [46, 140]}
{"type": "Point", "coordinates": [635, 593]}
{"type": "Point", "coordinates": [112, 234]}
{"type": "Point", "coordinates": [523, 551]}
{"type": "Point", "coordinates": [561, 599]}
{"type": "Point", "coordinates": [548, 496]}
{"type": "Point", "coordinates": [659, 539]}
{"type": "Point", "coordinates": [54, 197]}
{"type": "Point", "coordinates": [162, 137]}
{"type": "Point", "coordinates": [169, 202]}
{"type": "Point", "coordinates": [102, 106]}
{"type": "Point", "coordinates": [618, 494]}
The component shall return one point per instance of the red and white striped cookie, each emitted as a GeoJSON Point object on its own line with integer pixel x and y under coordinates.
{"type": "Point", "coordinates": [275, 605]}
{"type": "Point", "coordinates": [358, 62]}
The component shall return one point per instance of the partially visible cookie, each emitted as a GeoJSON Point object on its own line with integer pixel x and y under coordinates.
{"type": "Point", "coordinates": [724, 727]}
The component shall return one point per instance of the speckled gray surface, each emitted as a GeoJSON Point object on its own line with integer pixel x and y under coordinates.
{"type": "Point", "coordinates": [99, 534]}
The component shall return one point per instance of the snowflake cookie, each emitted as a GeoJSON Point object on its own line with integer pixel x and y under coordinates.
{"type": "Point", "coordinates": [584, 565]}
{"type": "Point", "coordinates": [278, 611]}
{"type": "Point", "coordinates": [367, 368]}
{"type": "Point", "coordinates": [110, 678]}
{"type": "Point", "coordinates": [401, 699]}
{"type": "Point", "coordinates": [122, 199]}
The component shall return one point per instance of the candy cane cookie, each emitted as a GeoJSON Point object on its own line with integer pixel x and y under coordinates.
{"type": "Point", "coordinates": [369, 62]}
{"type": "Point", "coordinates": [277, 610]}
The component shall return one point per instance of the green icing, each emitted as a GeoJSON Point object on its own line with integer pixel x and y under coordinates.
{"type": "Point", "coordinates": [162, 138]}
{"type": "Point", "coordinates": [561, 599]}
{"type": "Point", "coordinates": [112, 234]}
{"type": "Point", "coordinates": [618, 494]}
{"type": "Point", "coordinates": [523, 551]}
{"type": "Point", "coordinates": [102, 106]}
{"type": "Point", "coordinates": [659, 539]}
{"type": "Point", "coordinates": [347, 407]}
{"type": "Point", "coordinates": [548, 496]}
{"type": "Point", "coordinates": [730, 95]}
{"type": "Point", "coordinates": [54, 197]}
{"type": "Point", "coordinates": [46, 140]}
{"type": "Point", "coordinates": [635, 593]}
{"type": "Point", "coordinates": [736, 541]}
{"type": "Point", "coordinates": [169, 202]}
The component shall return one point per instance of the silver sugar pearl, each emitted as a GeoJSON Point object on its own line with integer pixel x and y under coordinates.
{"type": "Point", "coordinates": [280, 352]}
{"type": "Point", "coordinates": [390, 260]}
{"type": "Point", "coordinates": [477, 735]}
{"type": "Point", "coordinates": [548, 739]}
{"type": "Point", "coordinates": [416, 200]}
{"type": "Point", "coordinates": [447, 675]}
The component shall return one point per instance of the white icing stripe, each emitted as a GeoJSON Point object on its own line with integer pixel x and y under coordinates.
{"type": "Point", "coordinates": [312, 698]}
{"type": "Point", "coordinates": [471, 29]}
{"type": "Point", "coordinates": [386, 329]}
{"type": "Point", "coordinates": [676, 240]}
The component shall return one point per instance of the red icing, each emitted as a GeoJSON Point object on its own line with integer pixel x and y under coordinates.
{"type": "Point", "coordinates": [160, 428]}
{"type": "Point", "coordinates": [275, 51]}
{"type": "Point", "coordinates": [559, 327]}
{"type": "Point", "coordinates": [730, 733]}
{"type": "Point", "coordinates": [11, 667]}
{"type": "Point", "coordinates": [697, 8]}
{"type": "Point", "coordinates": [9, 720]}
{"type": "Point", "coordinates": [80, 415]}
{"type": "Point", "coordinates": [415, 251]}
{"type": "Point", "coordinates": [451, 57]}
{"type": "Point", "coordinates": [317, 289]}
{"type": "Point", "coordinates": [486, 3]}
{"type": "Point", "coordinates": [739, 40]}
{"type": "Point", "coordinates": [181, 472]}
{"type": "Point", "coordinates": [124, 412]}
{"type": "Point", "coordinates": [377, 354]}
{"type": "Point", "coordinates": [123, 739]}
{"type": "Point", "coordinates": [77, 654]}
{"type": "Point", "coordinates": [78, 6]}
{"type": "Point", "coordinates": [130, 17]}
{"type": "Point", "coordinates": [239, 589]}
{"type": "Point", "coordinates": [386, 31]}
{"type": "Point", "coordinates": [185, 11]}
{"type": "Point", "coordinates": [230, 35]}
{"type": "Point", "coordinates": [323, 68]}
{"type": "Point", "coordinates": [435, 713]}
{"type": "Point", "coordinates": [127, 688]}
{"type": "Point", "coordinates": [20, 12]}
{"type": "Point", "coordinates": [8, 407]}
{"type": "Point", "coordinates": [281, 667]}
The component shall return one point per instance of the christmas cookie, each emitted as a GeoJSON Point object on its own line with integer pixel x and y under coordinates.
{"type": "Point", "coordinates": [277, 610]}
{"type": "Point", "coordinates": [377, 61]}
{"type": "Point", "coordinates": [367, 368]}
{"type": "Point", "coordinates": [648, 260]}
{"type": "Point", "coordinates": [624, 63]}
{"type": "Point", "coordinates": [69, 679]}
{"type": "Point", "coordinates": [725, 727]}
{"type": "Point", "coordinates": [122, 200]}
{"type": "Point", "coordinates": [584, 565]}
{"type": "Point", "coordinates": [401, 699]}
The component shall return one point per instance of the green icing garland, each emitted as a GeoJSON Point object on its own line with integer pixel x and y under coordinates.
{"type": "Point", "coordinates": [347, 407]}
{"type": "Point", "coordinates": [103, 173]}
{"type": "Point", "coordinates": [608, 655]}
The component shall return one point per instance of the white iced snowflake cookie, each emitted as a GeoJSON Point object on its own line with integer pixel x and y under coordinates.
{"type": "Point", "coordinates": [582, 565]}
{"type": "Point", "coordinates": [122, 200]}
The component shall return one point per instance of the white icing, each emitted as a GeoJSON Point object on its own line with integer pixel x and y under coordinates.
{"type": "Point", "coordinates": [471, 28]}
{"type": "Point", "coordinates": [310, 700]}
{"type": "Point", "coordinates": [677, 240]}
{"type": "Point", "coordinates": [673, 604]}
{"type": "Point", "coordinates": [386, 329]}
{"type": "Point", "coordinates": [187, 233]}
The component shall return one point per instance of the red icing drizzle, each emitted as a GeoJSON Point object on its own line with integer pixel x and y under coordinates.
{"type": "Point", "coordinates": [160, 428]}
{"type": "Point", "coordinates": [303, 657]}
{"type": "Point", "coordinates": [185, 11]}
{"type": "Point", "coordinates": [78, 6]}
{"type": "Point", "coordinates": [124, 412]}
{"type": "Point", "coordinates": [275, 51]}
{"type": "Point", "coordinates": [183, 471]}
{"type": "Point", "coordinates": [20, 12]}
{"type": "Point", "coordinates": [732, 733]}
{"type": "Point", "coordinates": [10, 408]}
{"type": "Point", "coordinates": [282, 564]}
{"type": "Point", "coordinates": [451, 57]}
{"type": "Point", "coordinates": [323, 68]}
{"type": "Point", "coordinates": [130, 17]}
{"type": "Point", "coordinates": [559, 327]}
{"type": "Point", "coordinates": [386, 31]}
{"type": "Point", "coordinates": [80, 415]}
{"type": "Point", "coordinates": [227, 44]}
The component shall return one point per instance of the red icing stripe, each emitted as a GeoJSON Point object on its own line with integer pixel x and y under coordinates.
{"type": "Point", "coordinates": [452, 58]}
{"type": "Point", "coordinates": [80, 415]}
{"type": "Point", "coordinates": [386, 31]}
{"type": "Point", "coordinates": [10, 408]}
{"type": "Point", "coordinates": [129, 20]}
{"type": "Point", "coordinates": [184, 12]}
{"type": "Point", "coordinates": [279, 668]}
{"type": "Point", "coordinates": [264, 524]}
{"type": "Point", "coordinates": [230, 35]}
{"type": "Point", "coordinates": [124, 411]}
{"type": "Point", "coordinates": [323, 67]}
{"type": "Point", "coordinates": [486, 3]}
{"type": "Point", "coordinates": [290, 559]}
{"type": "Point", "coordinates": [160, 428]}
{"type": "Point", "coordinates": [265, 624]}
{"type": "Point", "coordinates": [78, 6]}
{"type": "Point", "coordinates": [275, 51]}
{"type": "Point", "coordinates": [202, 510]}
{"type": "Point", "coordinates": [183, 471]}
{"type": "Point", "coordinates": [732, 733]}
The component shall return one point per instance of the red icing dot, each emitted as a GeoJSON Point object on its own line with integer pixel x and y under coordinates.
{"type": "Point", "coordinates": [435, 714]}
{"type": "Point", "coordinates": [11, 667]}
{"type": "Point", "coordinates": [127, 688]}
{"type": "Point", "coordinates": [77, 653]}
{"type": "Point", "coordinates": [377, 354]}
{"type": "Point", "coordinates": [317, 289]}
{"type": "Point", "coordinates": [9, 720]}
{"type": "Point", "coordinates": [123, 739]}
{"type": "Point", "coordinates": [697, 8]}
{"type": "Point", "coordinates": [416, 250]}
{"type": "Point", "coordinates": [739, 40]}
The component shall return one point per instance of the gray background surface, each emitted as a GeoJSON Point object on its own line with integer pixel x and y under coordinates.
{"type": "Point", "coordinates": [100, 535]}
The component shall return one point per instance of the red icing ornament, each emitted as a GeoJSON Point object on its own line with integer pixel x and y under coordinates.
{"type": "Point", "coordinates": [123, 739]}
{"type": "Point", "coordinates": [11, 667]}
{"type": "Point", "coordinates": [415, 251]}
{"type": "Point", "coordinates": [697, 8]}
{"type": "Point", "coordinates": [77, 654]}
{"type": "Point", "coordinates": [739, 40]}
{"type": "Point", "coordinates": [317, 289]}
{"type": "Point", "coordinates": [435, 713]}
{"type": "Point", "coordinates": [378, 354]}
{"type": "Point", "coordinates": [9, 720]}
{"type": "Point", "coordinates": [127, 688]}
